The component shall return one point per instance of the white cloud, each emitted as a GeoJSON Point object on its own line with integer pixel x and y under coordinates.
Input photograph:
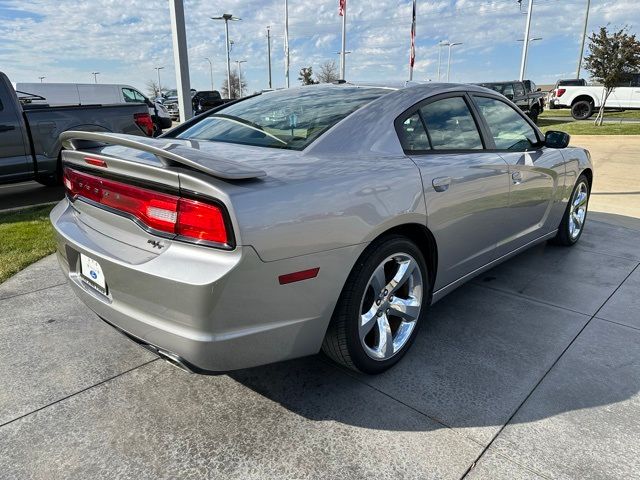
{"type": "Point", "coordinates": [125, 40]}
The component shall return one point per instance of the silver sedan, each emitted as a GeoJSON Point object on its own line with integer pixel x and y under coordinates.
{"type": "Point", "coordinates": [325, 218]}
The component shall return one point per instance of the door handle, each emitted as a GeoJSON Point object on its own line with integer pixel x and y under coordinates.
{"type": "Point", "coordinates": [516, 177]}
{"type": "Point", "coordinates": [441, 184]}
{"type": "Point", "coordinates": [6, 128]}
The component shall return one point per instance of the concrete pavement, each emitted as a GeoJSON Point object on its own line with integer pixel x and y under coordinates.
{"type": "Point", "coordinates": [531, 371]}
{"type": "Point", "coordinates": [616, 182]}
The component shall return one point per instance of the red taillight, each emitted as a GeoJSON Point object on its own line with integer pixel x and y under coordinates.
{"type": "Point", "coordinates": [560, 91]}
{"type": "Point", "coordinates": [191, 219]}
{"type": "Point", "coordinates": [143, 120]}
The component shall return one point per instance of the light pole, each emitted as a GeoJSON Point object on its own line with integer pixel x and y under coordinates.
{"type": "Point", "coordinates": [238, 63]}
{"type": "Point", "coordinates": [157, 69]}
{"type": "Point", "coordinates": [286, 43]}
{"type": "Point", "coordinates": [440, 45]}
{"type": "Point", "coordinates": [210, 70]}
{"type": "Point", "coordinates": [41, 78]}
{"type": "Point", "coordinates": [449, 59]}
{"type": "Point", "coordinates": [180, 58]}
{"type": "Point", "coordinates": [584, 36]}
{"type": "Point", "coordinates": [95, 76]}
{"type": "Point", "coordinates": [525, 46]}
{"type": "Point", "coordinates": [227, 17]}
{"type": "Point", "coordinates": [269, 52]}
{"type": "Point", "coordinates": [525, 65]}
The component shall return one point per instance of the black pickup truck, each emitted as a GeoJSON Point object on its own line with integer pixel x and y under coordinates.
{"type": "Point", "coordinates": [524, 94]}
{"type": "Point", "coordinates": [29, 143]}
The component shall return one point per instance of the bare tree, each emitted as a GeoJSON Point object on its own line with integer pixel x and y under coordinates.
{"type": "Point", "coordinates": [611, 60]}
{"type": "Point", "coordinates": [328, 72]}
{"type": "Point", "coordinates": [306, 76]}
{"type": "Point", "coordinates": [235, 86]}
{"type": "Point", "coordinates": [153, 91]}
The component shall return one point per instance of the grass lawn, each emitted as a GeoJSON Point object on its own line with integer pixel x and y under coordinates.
{"type": "Point", "coordinates": [588, 128]}
{"type": "Point", "coordinates": [565, 112]}
{"type": "Point", "coordinates": [27, 236]}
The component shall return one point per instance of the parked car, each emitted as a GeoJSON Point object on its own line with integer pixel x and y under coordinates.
{"type": "Point", "coordinates": [573, 82]}
{"type": "Point", "coordinates": [524, 94]}
{"type": "Point", "coordinates": [58, 94]}
{"type": "Point", "coordinates": [233, 241]}
{"type": "Point", "coordinates": [584, 100]}
{"type": "Point", "coordinates": [205, 100]}
{"type": "Point", "coordinates": [29, 143]}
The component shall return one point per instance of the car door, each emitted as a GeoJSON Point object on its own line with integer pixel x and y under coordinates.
{"type": "Point", "coordinates": [536, 173]}
{"type": "Point", "coordinates": [14, 159]}
{"type": "Point", "coordinates": [466, 187]}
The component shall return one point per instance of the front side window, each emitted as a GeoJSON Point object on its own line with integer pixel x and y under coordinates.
{"type": "Point", "coordinates": [129, 95]}
{"type": "Point", "coordinates": [451, 125]}
{"type": "Point", "coordinates": [283, 119]}
{"type": "Point", "coordinates": [509, 130]}
{"type": "Point", "coordinates": [413, 137]}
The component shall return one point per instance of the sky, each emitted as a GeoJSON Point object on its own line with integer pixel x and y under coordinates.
{"type": "Point", "coordinates": [66, 40]}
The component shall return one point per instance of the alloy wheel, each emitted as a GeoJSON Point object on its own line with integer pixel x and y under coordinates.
{"type": "Point", "coordinates": [578, 210]}
{"type": "Point", "coordinates": [390, 306]}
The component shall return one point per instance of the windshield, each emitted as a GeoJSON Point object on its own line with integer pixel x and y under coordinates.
{"type": "Point", "coordinates": [284, 119]}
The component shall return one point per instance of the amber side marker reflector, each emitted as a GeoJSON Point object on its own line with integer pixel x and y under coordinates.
{"type": "Point", "coordinates": [95, 162]}
{"type": "Point", "coordinates": [297, 276]}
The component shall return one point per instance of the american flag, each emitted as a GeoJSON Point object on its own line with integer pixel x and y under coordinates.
{"type": "Point", "coordinates": [412, 55]}
{"type": "Point", "coordinates": [342, 5]}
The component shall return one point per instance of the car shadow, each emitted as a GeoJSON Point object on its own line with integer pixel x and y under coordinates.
{"type": "Point", "coordinates": [484, 349]}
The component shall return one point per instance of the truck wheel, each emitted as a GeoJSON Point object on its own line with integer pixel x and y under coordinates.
{"type": "Point", "coordinates": [533, 113]}
{"type": "Point", "coordinates": [157, 129]}
{"type": "Point", "coordinates": [582, 109]}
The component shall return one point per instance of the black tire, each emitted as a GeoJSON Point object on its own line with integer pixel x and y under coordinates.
{"type": "Point", "coordinates": [564, 236]}
{"type": "Point", "coordinates": [342, 341]}
{"type": "Point", "coordinates": [582, 109]}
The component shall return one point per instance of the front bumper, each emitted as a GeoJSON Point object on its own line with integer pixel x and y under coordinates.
{"type": "Point", "coordinates": [216, 310]}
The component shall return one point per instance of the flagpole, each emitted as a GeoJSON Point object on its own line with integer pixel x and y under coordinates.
{"type": "Point", "coordinates": [412, 54]}
{"type": "Point", "coordinates": [344, 40]}
{"type": "Point", "coordinates": [286, 42]}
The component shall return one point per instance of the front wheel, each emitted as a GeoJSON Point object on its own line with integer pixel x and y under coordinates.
{"type": "Point", "coordinates": [381, 307]}
{"type": "Point", "coordinates": [534, 113]}
{"type": "Point", "coordinates": [575, 216]}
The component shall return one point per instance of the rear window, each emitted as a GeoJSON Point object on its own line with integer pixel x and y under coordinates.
{"type": "Point", "coordinates": [289, 119]}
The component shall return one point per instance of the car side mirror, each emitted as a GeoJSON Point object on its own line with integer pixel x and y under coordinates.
{"type": "Point", "coordinates": [509, 96]}
{"type": "Point", "coordinates": [555, 139]}
{"type": "Point", "coordinates": [538, 89]}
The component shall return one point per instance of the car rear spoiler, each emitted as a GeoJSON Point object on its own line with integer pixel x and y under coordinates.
{"type": "Point", "coordinates": [168, 152]}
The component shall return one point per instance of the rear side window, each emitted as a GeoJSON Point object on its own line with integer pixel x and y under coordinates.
{"type": "Point", "coordinates": [413, 136]}
{"type": "Point", "coordinates": [451, 125]}
{"type": "Point", "coordinates": [509, 130]}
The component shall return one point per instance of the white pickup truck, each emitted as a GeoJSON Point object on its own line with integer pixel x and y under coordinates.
{"type": "Point", "coordinates": [585, 100]}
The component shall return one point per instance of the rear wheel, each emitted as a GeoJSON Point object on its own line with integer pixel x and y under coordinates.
{"type": "Point", "coordinates": [575, 216]}
{"type": "Point", "coordinates": [381, 307]}
{"type": "Point", "coordinates": [582, 110]}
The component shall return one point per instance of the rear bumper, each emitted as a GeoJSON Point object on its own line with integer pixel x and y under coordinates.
{"type": "Point", "coordinates": [215, 310]}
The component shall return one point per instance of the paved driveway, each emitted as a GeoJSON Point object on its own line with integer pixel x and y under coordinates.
{"type": "Point", "coordinates": [531, 371]}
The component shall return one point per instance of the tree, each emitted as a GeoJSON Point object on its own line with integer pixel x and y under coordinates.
{"type": "Point", "coordinates": [328, 72]}
{"type": "Point", "coordinates": [611, 60]}
{"type": "Point", "coordinates": [235, 88]}
{"type": "Point", "coordinates": [306, 76]}
{"type": "Point", "coordinates": [153, 91]}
